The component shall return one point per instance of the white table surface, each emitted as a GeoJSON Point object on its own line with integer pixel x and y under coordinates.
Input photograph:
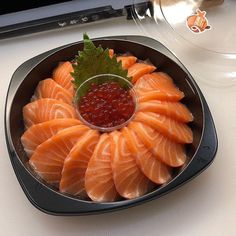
{"type": "Point", "coordinates": [204, 206]}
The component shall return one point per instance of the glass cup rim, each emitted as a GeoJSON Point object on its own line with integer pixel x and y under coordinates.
{"type": "Point", "coordinates": [117, 127]}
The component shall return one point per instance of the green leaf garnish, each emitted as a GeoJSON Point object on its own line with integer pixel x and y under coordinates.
{"type": "Point", "coordinates": [94, 61]}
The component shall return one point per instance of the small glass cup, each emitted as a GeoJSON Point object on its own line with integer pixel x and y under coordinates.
{"type": "Point", "coordinates": [100, 79]}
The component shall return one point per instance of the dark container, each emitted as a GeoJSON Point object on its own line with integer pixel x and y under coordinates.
{"type": "Point", "coordinates": [24, 81]}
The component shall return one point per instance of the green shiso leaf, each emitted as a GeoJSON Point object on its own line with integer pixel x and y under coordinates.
{"type": "Point", "coordinates": [94, 61]}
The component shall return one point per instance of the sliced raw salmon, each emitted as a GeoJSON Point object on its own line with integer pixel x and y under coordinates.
{"type": "Point", "coordinates": [175, 110]}
{"type": "Point", "coordinates": [127, 61]}
{"type": "Point", "coordinates": [111, 53]}
{"type": "Point", "coordinates": [130, 182]}
{"type": "Point", "coordinates": [48, 88]}
{"type": "Point", "coordinates": [75, 165]}
{"type": "Point", "coordinates": [138, 69]}
{"type": "Point", "coordinates": [48, 158]}
{"type": "Point", "coordinates": [156, 80]}
{"type": "Point", "coordinates": [155, 170]}
{"type": "Point", "coordinates": [170, 128]}
{"type": "Point", "coordinates": [158, 86]}
{"type": "Point", "coordinates": [99, 182]}
{"type": "Point", "coordinates": [62, 75]}
{"type": "Point", "coordinates": [144, 96]}
{"type": "Point", "coordinates": [46, 109]}
{"type": "Point", "coordinates": [41, 132]}
{"type": "Point", "coordinates": [169, 152]}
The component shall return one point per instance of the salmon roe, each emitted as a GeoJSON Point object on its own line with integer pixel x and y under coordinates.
{"type": "Point", "coordinates": [107, 105]}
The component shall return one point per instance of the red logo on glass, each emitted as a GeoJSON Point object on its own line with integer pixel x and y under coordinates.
{"type": "Point", "coordinates": [198, 22]}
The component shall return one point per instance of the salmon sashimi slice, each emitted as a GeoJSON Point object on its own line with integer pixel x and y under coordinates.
{"type": "Point", "coordinates": [62, 75]}
{"type": "Point", "coordinates": [138, 69]}
{"type": "Point", "coordinates": [130, 182]}
{"type": "Point", "coordinates": [176, 131]}
{"type": "Point", "coordinates": [171, 153]}
{"type": "Point", "coordinates": [157, 80]}
{"type": "Point", "coordinates": [111, 53]}
{"type": "Point", "coordinates": [99, 183]}
{"type": "Point", "coordinates": [41, 132]}
{"type": "Point", "coordinates": [144, 96]}
{"type": "Point", "coordinates": [151, 167]}
{"type": "Point", "coordinates": [158, 86]}
{"type": "Point", "coordinates": [48, 88]}
{"type": "Point", "coordinates": [127, 61]}
{"type": "Point", "coordinates": [174, 110]}
{"type": "Point", "coordinates": [46, 109]}
{"type": "Point", "coordinates": [48, 158]}
{"type": "Point", "coordinates": [75, 165]}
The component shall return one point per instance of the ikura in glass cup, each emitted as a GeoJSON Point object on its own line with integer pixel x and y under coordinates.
{"type": "Point", "coordinates": [106, 102]}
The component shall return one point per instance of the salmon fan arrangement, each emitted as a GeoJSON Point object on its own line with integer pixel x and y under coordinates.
{"type": "Point", "coordinates": [124, 163]}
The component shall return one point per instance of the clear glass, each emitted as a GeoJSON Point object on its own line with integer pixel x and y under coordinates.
{"type": "Point", "coordinates": [99, 79]}
{"type": "Point", "coordinates": [219, 14]}
{"type": "Point", "coordinates": [210, 54]}
{"type": "Point", "coordinates": [220, 34]}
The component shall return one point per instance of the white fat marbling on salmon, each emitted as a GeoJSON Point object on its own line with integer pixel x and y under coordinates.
{"type": "Point", "coordinates": [62, 75]}
{"type": "Point", "coordinates": [48, 88]}
{"type": "Point", "coordinates": [50, 155]}
{"type": "Point", "coordinates": [151, 167]}
{"type": "Point", "coordinates": [130, 182]}
{"type": "Point", "coordinates": [175, 110]}
{"type": "Point", "coordinates": [75, 165]}
{"type": "Point", "coordinates": [157, 86]}
{"type": "Point", "coordinates": [46, 109]}
{"type": "Point", "coordinates": [173, 129]}
{"type": "Point", "coordinates": [99, 182]}
{"type": "Point", "coordinates": [165, 150]}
